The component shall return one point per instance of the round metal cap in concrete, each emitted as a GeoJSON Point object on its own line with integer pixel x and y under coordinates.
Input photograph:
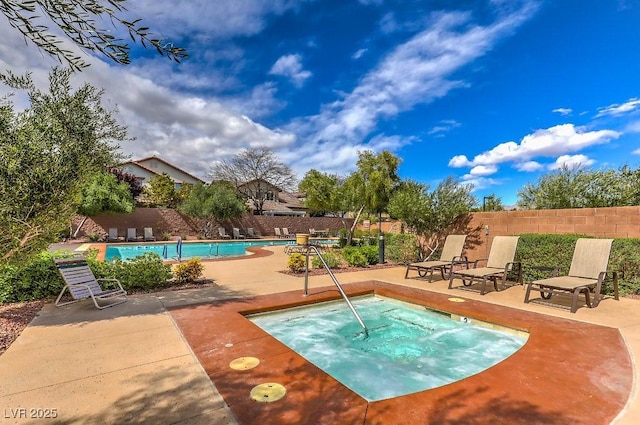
{"type": "Point", "coordinates": [456, 300]}
{"type": "Point", "coordinates": [244, 363]}
{"type": "Point", "coordinates": [268, 392]}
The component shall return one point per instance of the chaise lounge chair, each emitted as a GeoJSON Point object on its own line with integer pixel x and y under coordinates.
{"type": "Point", "coordinates": [586, 275]}
{"type": "Point", "coordinates": [113, 235]}
{"type": "Point", "coordinates": [252, 233]}
{"type": "Point", "coordinates": [286, 234]}
{"type": "Point", "coordinates": [451, 255]}
{"type": "Point", "coordinates": [82, 284]}
{"type": "Point", "coordinates": [148, 234]}
{"type": "Point", "coordinates": [498, 265]}
{"type": "Point", "coordinates": [223, 233]}
{"type": "Point", "coordinates": [132, 235]}
{"type": "Point", "coordinates": [237, 234]}
{"type": "Point", "coordinates": [276, 231]}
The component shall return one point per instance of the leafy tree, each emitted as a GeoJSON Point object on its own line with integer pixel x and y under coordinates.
{"type": "Point", "coordinates": [490, 203]}
{"type": "Point", "coordinates": [431, 214]}
{"type": "Point", "coordinates": [78, 21]}
{"type": "Point", "coordinates": [323, 193]}
{"type": "Point", "coordinates": [254, 172]}
{"type": "Point", "coordinates": [213, 202]}
{"type": "Point", "coordinates": [104, 193]}
{"type": "Point", "coordinates": [370, 187]}
{"type": "Point", "coordinates": [48, 152]}
{"type": "Point", "coordinates": [135, 187]}
{"type": "Point", "coordinates": [161, 190]}
{"type": "Point", "coordinates": [582, 188]}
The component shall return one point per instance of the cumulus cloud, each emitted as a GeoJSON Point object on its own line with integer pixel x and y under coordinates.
{"type": "Point", "coordinates": [290, 66]}
{"type": "Point", "coordinates": [572, 162]}
{"type": "Point", "coordinates": [620, 109]}
{"type": "Point", "coordinates": [483, 170]}
{"type": "Point", "coordinates": [550, 142]}
{"type": "Point", "coordinates": [529, 166]}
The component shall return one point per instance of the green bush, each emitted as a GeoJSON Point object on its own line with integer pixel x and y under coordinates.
{"type": "Point", "coordinates": [402, 248]}
{"type": "Point", "coordinates": [332, 260]}
{"type": "Point", "coordinates": [35, 279]}
{"type": "Point", "coordinates": [296, 262]}
{"type": "Point", "coordinates": [625, 259]}
{"type": "Point", "coordinates": [144, 272]}
{"type": "Point", "coordinates": [546, 250]}
{"type": "Point", "coordinates": [354, 257]}
{"type": "Point", "coordinates": [189, 271]}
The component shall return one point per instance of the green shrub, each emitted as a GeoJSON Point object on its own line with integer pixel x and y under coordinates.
{"type": "Point", "coordinates": [625, 259]}
{"type": "Point", "coordinates": [296, 262]}
{"type": "Point", "coordinates": [189, 271]}
{"type": "Point", "coordinates": [144, 272]}
{"type": "Point", "coordinates": [332, 260]}
{"type": "Point", "coordinates": [371, 253]}
{"type": "Point", "coordinates": [354, 257]}
{"type": "Point", "coordinates": [402, 248]}
{"type": "Point", "coordinates": [35, 279]}
{"type": "Point", "coordinates": [545, 250]}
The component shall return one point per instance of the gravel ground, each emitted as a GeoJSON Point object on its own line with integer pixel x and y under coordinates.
{"type": "Point", "coordinates": [14, 318]}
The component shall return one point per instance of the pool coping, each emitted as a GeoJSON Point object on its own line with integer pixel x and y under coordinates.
{"type": "Point", "coordinates": [535, 385]}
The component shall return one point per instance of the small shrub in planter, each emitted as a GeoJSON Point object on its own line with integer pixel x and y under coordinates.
{"type": "Point", "coordinates": [332, 260]}
{"type": "Point", "coordinates": [189, 271]}
{"type": "Point", "coordinates": [296, 262]}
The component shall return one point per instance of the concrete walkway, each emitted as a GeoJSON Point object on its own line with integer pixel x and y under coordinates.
{"type": "Point", "coordinates": [130, 363]}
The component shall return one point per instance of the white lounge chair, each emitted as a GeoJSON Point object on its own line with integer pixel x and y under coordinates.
{"type": "Point", "coordinates": [251, 233]}
{"type": "Point", "coordinates": [148, 234]}
{"type": "Point", "coordinates": [277, 232]}
{"type": "Point", "coordinates": [81, 284]}
{"type": "Point", "coordinates": [237, 234]}
{"type": "Point", "coordinates": [223, 233]}
{"type": "Point", "coordinates": [286, 234]}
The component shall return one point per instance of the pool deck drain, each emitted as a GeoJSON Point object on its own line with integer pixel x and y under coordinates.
{"type": "Point", "coordinates": [549, 380]}
{"type": "Point", "coordinates": [268, 393]}
{"type": "Point", "coordinates": [244, 363]}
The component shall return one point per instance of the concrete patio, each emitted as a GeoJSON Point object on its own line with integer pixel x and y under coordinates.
{"type": "Point", "coordinates": [131, 363]}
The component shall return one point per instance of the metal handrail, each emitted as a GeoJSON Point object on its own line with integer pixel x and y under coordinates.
{"type": "Point", "coordinates": [344, 295]}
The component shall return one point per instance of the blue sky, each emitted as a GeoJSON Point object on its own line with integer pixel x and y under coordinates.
{"type": "Point", "coordinates": [493, 92]}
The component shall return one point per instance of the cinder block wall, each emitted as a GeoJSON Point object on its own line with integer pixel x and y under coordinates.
{"type": "Point", "coordinates": [616, 222]}
{"type": "Point", "coordinates": [168, 220]}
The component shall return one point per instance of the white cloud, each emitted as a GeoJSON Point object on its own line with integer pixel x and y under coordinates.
{"type": "Point", "coordinates": [619, 109]}
{"type": "Point", "coordinates": [632, 127]}
{"type": "Point", "coordinates": [416, 72]}
{"type": "Point", "coordinates": [636, 152]}
{"type": "Point", "coordinates": [444, 126]}
{"type": "Point", "coordinates": [563, 111]}
{"type": "Point", "coordinates": [483, 170]}
{"type": "Point", "coordinates": [479, 182]}
{"type": "Point", "coordinates": [572, 162]}
{"type": "Point", "coordinates": [358, 54]}
{"type": "Point", "coordinates": [553, 141]}
{"type": "Point", "coordinates": [529, 166]}
{"type": "Point", "coordinates": [290, 66]}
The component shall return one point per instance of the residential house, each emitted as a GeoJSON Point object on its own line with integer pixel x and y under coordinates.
{"type": "Point", "coordinates": [146, 168]}
{"type": "Point", "coordinates": [275, 200]}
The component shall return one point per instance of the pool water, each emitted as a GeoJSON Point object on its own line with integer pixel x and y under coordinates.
{"type": "Point", "coordinates": [409, 348]}
{"type": "Point", "coordinates": [204, 250]}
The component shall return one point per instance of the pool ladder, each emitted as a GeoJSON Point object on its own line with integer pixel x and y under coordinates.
{"type": "Point", "coordinates": [333, 277]}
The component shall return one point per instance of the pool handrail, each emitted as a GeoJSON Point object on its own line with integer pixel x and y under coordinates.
{"type": "Point", "coordinates": [333, 277]}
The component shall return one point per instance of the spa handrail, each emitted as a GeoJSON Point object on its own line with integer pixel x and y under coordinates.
{"type": "Point", "coordinates": [344, 295]}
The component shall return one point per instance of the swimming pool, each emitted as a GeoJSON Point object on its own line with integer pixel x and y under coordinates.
{"type": "Point", "coordinates": [204, 250]}
{"type": "Point", "coordinates": [409, 348]}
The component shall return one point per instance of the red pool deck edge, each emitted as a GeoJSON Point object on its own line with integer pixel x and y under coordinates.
{"type": "Point", "coordinates": [568, 372]}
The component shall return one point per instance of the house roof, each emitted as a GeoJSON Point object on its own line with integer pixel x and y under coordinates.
{"type": "Point", "coordinates": [140, 163]}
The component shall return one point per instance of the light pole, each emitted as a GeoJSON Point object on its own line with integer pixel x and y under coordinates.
{"type": "Point", "coordinates": [484, 202]}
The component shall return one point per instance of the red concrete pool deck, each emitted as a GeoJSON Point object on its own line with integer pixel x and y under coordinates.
{"type": "Point", "coordinates": [568, 372]}
{"type": "Point", "coordinates": [145, 362]}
